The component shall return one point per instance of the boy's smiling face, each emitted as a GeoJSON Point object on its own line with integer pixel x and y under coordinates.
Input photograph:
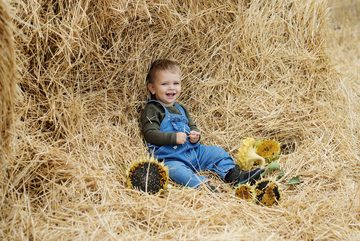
{"type": "Point", "coordinates": [166, 86]}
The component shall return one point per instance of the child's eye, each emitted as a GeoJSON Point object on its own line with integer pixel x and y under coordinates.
{"type": "Point", "coordinates": [176, 83]}
{"type": "Point", "coordinates": [163, 83]}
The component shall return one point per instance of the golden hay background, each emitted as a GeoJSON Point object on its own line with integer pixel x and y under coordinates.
{"type": "Point", "coordinates": [287, 70]}
{"type": "Point", "coordinates": [7, 84]}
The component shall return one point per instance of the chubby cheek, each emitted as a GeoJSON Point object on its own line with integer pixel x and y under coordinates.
{"type": "Point", "coordinates": [163, 89]}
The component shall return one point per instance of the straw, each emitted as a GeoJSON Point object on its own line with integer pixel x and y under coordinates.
{"type": "Point", "coordinates": [7, 87]}
{"type": "Point", "coordinates": [281, 70]}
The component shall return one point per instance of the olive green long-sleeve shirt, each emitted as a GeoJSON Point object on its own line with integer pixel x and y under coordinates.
{"type": "Point", "coordinates": [151, 118]}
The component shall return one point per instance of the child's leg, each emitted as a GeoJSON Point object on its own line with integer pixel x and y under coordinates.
{"type": "Point", "coordinates": [181, 173]}
{"type": "Point", "coordinates": [215, 159]}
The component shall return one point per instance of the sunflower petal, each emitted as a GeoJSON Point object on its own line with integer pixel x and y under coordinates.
{"type": "Point", "coordinates": [246, 155]}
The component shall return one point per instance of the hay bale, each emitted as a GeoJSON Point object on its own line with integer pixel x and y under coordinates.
{"type": "Point", "coordinates": [7, 82]}
{"type": "Point", "coordinates": [251, 68]}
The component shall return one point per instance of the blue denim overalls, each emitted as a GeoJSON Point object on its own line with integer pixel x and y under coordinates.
{"type": "Point", "coordinates": [184, 161]}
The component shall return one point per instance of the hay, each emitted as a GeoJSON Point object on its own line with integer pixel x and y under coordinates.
{"type": "Point", "coordinates": [7, 83]}
{"type": "Point", "coordinates": [265, 69]}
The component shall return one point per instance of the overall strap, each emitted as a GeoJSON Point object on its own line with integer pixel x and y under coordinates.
{"type": "Point", "coordinates": [181, 109]}
{"type": "Point", "coordinates": [164, 107]}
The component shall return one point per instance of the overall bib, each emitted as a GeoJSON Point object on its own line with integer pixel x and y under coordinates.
{"type": "Point", "coordinates": [186, 160]}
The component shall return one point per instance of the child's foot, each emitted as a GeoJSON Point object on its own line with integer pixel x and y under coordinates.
{"type": "Point", "coordinates": [249, 176]}
{"type": "Point", "coordinates": [237, 176]}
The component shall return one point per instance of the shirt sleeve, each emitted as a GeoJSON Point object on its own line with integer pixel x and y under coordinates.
{"type": "Point", "coordinates": [151, 119]}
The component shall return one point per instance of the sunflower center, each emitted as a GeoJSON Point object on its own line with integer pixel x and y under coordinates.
{"type": "Point", "coordinates": [148, 177]}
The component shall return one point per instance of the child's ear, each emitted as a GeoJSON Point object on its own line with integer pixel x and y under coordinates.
{"type": "Point", "coordinates": [151, 88]}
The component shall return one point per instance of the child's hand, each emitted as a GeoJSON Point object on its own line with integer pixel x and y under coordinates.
{"type": "Point", "coordinates": [181, 138]}
{"type": "Point", "coordinates": [194, 136]}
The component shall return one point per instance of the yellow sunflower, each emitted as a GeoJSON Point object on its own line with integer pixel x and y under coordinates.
{"type": "Point", "coordinates": [246, 155]}
{"type": "Point", "coordinates": [148, 176]}
{"type": "Point", "coordinates": [245, 191]}
{"type": "Point", "coordinates": [268, 149]}
{"type": "Point", "coordinates": [267, 192]}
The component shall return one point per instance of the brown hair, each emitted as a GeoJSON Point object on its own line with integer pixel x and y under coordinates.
{"type": "Point", "coordinates": [161, 64]}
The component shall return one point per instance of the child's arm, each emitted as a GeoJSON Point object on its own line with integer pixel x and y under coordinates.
{"type": "Point", "coordinates": [151, 118]}
{"type": "Point", "coordinates": [181, 138]}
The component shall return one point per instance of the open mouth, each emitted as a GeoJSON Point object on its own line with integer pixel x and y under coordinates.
{"type": "Point", "coordinates": [170, 95]}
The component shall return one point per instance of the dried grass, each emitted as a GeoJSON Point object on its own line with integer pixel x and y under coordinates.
{"type": "Point", "coordinates": [7, 83]}
{"type": "Point", "coordinates": [266, 69]}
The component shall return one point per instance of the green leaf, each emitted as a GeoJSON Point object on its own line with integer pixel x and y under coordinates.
{"type": "Point", "coordinates": [273, 166]}
{"type": "Point", "coordinates": [294, 181]}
